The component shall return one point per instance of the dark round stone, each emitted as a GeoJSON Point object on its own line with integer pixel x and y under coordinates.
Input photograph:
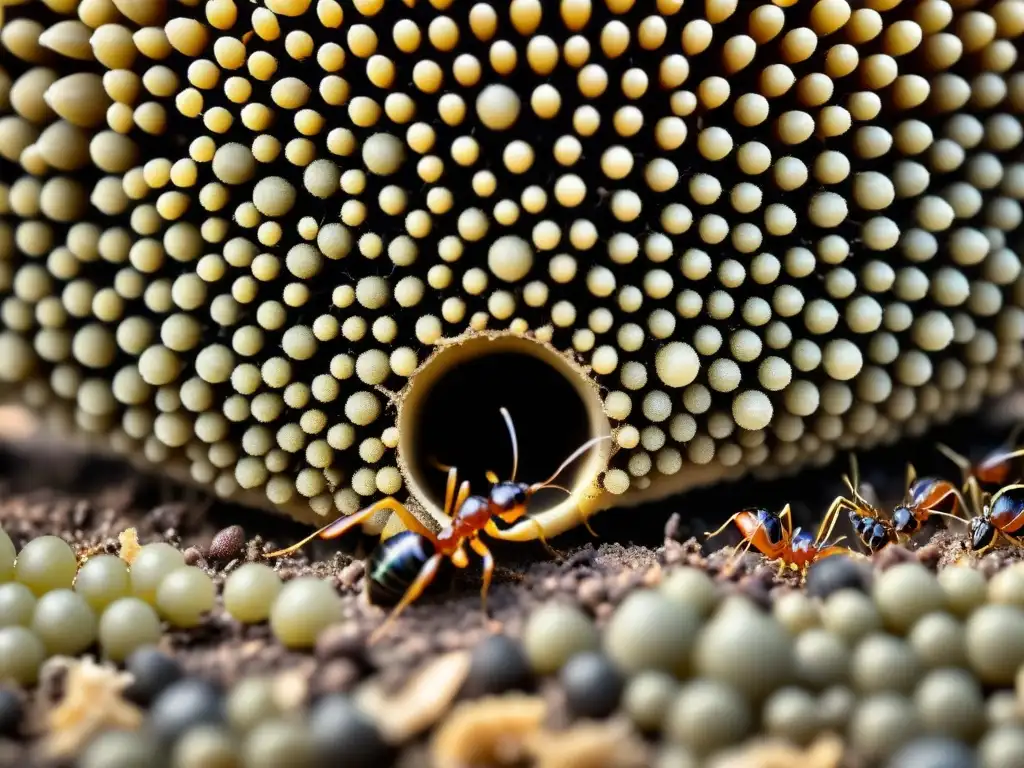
{"type": "Point", "coordinates": [11, 712]}
{"type": "Point", "coordinates": [498, 664]}
{"type": "Point", "coordinates": [933, 752]}
{"type": "Point", "coordinates": [185, 704]}
{"type": "Point", "coordinates": [593, 685]}
{"type": "Point", "coordinates": [344, 735]}
{"type": "Point", "coordinates": [153, 671]}
{"type": "Point", "coordinates": [835, 573]}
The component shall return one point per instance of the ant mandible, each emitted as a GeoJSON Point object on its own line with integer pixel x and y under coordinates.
{"type": "Point", "coordinates": [468, 517]}
{"type": "Point", "coordinates": [772, 535]}
{"type": "Point", "coordinates": [994, 469]}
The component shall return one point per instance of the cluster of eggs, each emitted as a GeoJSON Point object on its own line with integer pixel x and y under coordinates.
{"type": "Point", "coordinates": [229, 231]}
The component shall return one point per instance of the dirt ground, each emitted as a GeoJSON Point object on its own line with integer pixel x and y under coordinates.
{"type": "Point", "coordinates": [89, 501]}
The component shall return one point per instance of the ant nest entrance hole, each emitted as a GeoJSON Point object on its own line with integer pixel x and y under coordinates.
{"type": "Point", "coordinates": [449, 416]}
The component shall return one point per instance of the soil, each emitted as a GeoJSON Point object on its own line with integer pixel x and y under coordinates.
{"type": "Point", "coordinates": [89, 501]}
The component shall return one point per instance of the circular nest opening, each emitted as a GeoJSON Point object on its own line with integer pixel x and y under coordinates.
{"type": "Point", "coordinates": [451, 416]}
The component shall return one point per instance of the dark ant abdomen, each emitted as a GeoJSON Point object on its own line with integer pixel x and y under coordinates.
{"type": "Point", "coordinates": [395, 563]}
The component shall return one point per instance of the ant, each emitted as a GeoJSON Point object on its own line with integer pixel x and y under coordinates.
{"type": "Point", "coordinates": [994, 468]}
{"type": "Point", "coordinates": [468, 516]}
{"type": "Point", "coordinates": [871, 527]}
{"type": "Point", "coordinates": [772, 535]}
{"type": "Point", "coordinates": [921, 500]}
{"type": "Point", "coordinates": [1000, 516]}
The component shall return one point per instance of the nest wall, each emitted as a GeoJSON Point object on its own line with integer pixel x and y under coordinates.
{"type": "Point", "coordinates": [233, 234]}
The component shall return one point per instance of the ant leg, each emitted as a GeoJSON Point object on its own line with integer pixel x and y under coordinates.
{"type": "Point", "coordinates": [911, 477]}
{"type": "Point", "coordinates": [461, 498]}
{"type": "Point", "coordinates": [449, 491]}
{"type": "Point", "coordinates": [787, 515]}
{"type": "Point", "coordinates": [724, 525]}
{"type": "Point", "coordinates": [496, 533]}
{"type": "Point", "coordinates": [343, 525]}
{"type": "Point", "coordinates": [426, 575]}
{"type": "Point", "coordinates": [481, 549]}
{"type": "Point", "coordinates": [833, 513]}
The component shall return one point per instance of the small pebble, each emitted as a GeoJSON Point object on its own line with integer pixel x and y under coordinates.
{"type": "Point", "coordinates": [127, 624]}
{"type": "Point", "coordinates": [646, 699]}
{"type": "Point", "coordinates": [8, 554]}
{"type": "Point", "coordinates": [46, 563]}
{"type": "Point", "coordinates": [905, 593]}
{"type": "Point", "coordinates": [851, 615]}
{"type": "Point", "coordinates": [692, 587]}
{"type": "Point", "coordinates": [934, 752]}
{"type": "Point", "coordinates": [822, 659]}
{"type": "Point", "coordinates": [206, 746]}
{"type": "Point", "coordinates": [1007, 586]}
{"type": "Point", "coordinates": [950, 702]}
{"type": "Point", "coordinates": [302, 610]}
{"type": "Point", "coordinates": [1002, 748]}
{"type": "Point", "coordinates": [1001, 709]}
{"type": "Point", "coordinates": [17, 604]}
{"type": "Point", "coordinates": [796, 612]}
{"type": "Point", "coordinates": [11, 712]}
{"type": "Point", "coordinates": [835, 706]}
{"type": "Point", "coordinates": [339, 728]}
{"type": "Point", "coordinates": [184, 596]}
{"type": "Point", "coordinates": [882, 662]}
{"type": "Point", "coordinates": [965, 589]}
{"type": "Point", "coordinates": [792, 714]}
{"type": "Point", "coordinates": [555, 632]}
{"type": "Point", "coordinates": [102, 580]}
{"type": "Point", "coordinates": [995, 643]}
{"type": "Point", "coordinates": [592, 685]}
{"type": "Point", "coordinates": [938, 641]}
{"type": "Point", "coordinates": [250, 592]}
{"type": "Point", "coordinates": [724, 651]}
{"type": "Point", "coordinates": [153, 671]}
{"type": "Point", "coordinates": [275, 743]}
{"type": "Point", "coordinates": [21, 653]}
{"type": "Point", "coordinates": [497, 665]}
{"type": "Point", "coordinates": [880, 724]}
{"type": "Point", "coordinates": [120, 749]}
{"type": "Point", "coordinates": [193, 556]}
{"type": "Point", "coordinates": [185, 704]}
{"type": "Point", "coordinates": [151, 565]}
{"type": "Point", "coordinates": [251, 701]}
{"type": "Point", "coordinates": [650, 631]}
{"type": "Point", "coordinates": [833, 574]}
{"type": "Point", "coordinates": [227, 544]}
{"type": "Point", "coordinates": [64, 622]}
{"type": "Point", "coordinates": [675, 756]}
{"type": "Point", "coordinates": [708, 715]}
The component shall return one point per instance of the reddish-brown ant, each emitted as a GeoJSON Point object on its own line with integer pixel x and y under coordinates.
{"type": "Point", "coordinates": [469, 516]}
{"type": "Point", "coordinates": [997, 516]}
{"type": "Point", "coordinates": [995, 468]}
{"type": "Point", "coordinates": [921, 500]}
{"type": "Point", "coordinates": [772, 535]}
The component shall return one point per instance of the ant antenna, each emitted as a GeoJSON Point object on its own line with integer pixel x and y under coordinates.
{"type": "Point", "coordinates": [515, 442]}
{"type": "Point", "coordinates": [956, 458]}
{"type": "Point", "coordinates": [572, 457]}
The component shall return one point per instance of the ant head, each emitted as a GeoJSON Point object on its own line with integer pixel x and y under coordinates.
{"type": "Point", "coordinates": [872, 533]}
{"type": "Point", "coordinates": [508, 500]}
{"type": "Point", "coordinates": [983, 533]}
{"type": "Point", "coordinates": [903, 520]}
{"type": "Point", "coordinates": [771, 524]}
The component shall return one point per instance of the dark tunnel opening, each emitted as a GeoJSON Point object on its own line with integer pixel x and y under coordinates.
{"type": "Point", "coordinates": [457, 422]}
